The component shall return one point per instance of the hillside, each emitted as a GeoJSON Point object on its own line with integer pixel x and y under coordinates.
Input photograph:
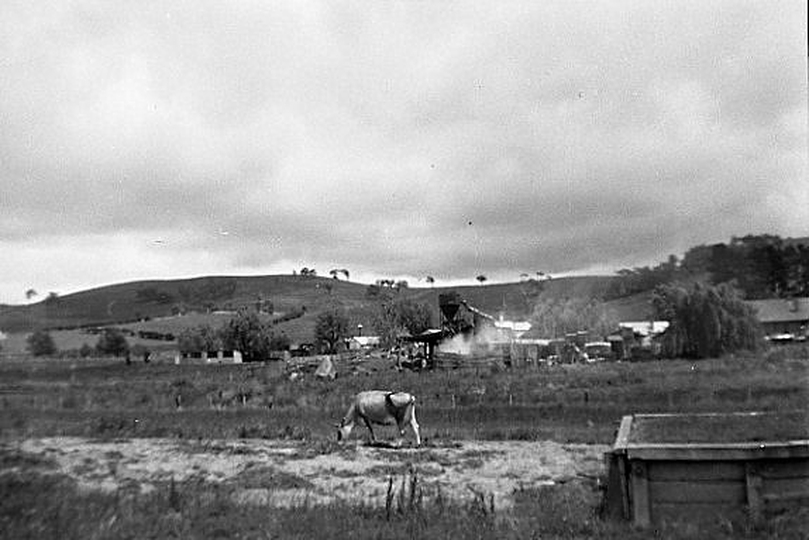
{"type": "Point", "coordinates": [155, 302]}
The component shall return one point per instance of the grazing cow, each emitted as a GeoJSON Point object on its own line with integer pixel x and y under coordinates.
{"type": "Point", "coordinates": [380, 407]}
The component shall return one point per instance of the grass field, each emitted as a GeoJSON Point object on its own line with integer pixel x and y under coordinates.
{"type": "Point", "coordinates": [583, 404]}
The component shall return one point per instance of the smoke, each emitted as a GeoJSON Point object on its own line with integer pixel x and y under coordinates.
{"type": "Point", "coordinates": [475, 343]}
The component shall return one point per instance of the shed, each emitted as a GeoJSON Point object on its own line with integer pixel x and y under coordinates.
{"type": "Point", "coordinates": [783, 316]}
{"type": "Point", "coordinates": [730, 465]}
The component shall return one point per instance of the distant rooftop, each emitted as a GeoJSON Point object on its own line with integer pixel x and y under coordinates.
{"type": "Point", "coordinates": [782, 310]}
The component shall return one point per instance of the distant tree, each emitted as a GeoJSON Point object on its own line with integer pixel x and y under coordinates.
{"type": "Point", "coordinates": [705, 321]}
{"type": "Point", "coordinates": [40, 343]}
{"type": "Point", "coordinates": [401, 284]}
{"type": "Point", "coordinates": [398, 316]}
{"type": "Point", "coordinates": [202, 338]}
{"type": "Point", "coordinates": [248, 334]}
{"type": "Point", "coordinates": [30, 293]}
{"type": "Point", "coordinates": [346, 273]}
{"type": "Point", "coordinates": [430, 280]}
{"type": "Point", "coordinates": [531, 289]}
{"type": "Point", "coordinates": [280, 342]}
{"type": "Point", "coordinates": [112, 342]}
{"type": "Point", "coordinates": [331, 328]}
{"type": "Point", "coordinates": [86, 350]}
{"type": "Point", "coordinates": [555, 318]}
{"type": "Point", "coordinates": [481, 278]}
{"type": "Point", "coordinates": [52, 297]}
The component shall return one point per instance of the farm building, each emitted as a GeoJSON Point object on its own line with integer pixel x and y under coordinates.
{"type": "Point", "coordinates": [211, 357]}
{"type": "Point", "coordinates": [511, 329]}
{"type": "Point", "coordinates": [357, 343]}
{"type": "Point", "coordinates": [783, 316]}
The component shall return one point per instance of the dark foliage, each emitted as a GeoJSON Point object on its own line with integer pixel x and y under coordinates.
{"type": "Point", "coordinates": [113, 342]}
{"type": "Point", "coordinates": [705, 321]}
{"type": "Point", "coordinates": [40, 343]}
{"type": "Point", "coordinates": [249, 335]}
{"type": "Point", "coordinates": [330, 329]}
{"type": "Point", "coordinates": [759, 266]}
{"type": "Point", "coordinates": [401, 315]}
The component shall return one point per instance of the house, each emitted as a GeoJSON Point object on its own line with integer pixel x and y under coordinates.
{"type": "Point", "coordinates": [357, 343]}
{"type": "Point", "coordinates": [511, 329]}
{"type": "Point", "coordinates": [781, 316]}
{"type": "Point", "coordinates": [646, 329]}
{"type": "Point", "coordinates": [208, 357]}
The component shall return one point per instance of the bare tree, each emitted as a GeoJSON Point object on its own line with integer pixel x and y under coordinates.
{"type": "Point", "coordinates": [30, 293]}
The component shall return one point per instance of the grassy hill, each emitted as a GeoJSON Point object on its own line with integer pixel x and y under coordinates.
{"type": "Point", "coordinates": [156, 305]}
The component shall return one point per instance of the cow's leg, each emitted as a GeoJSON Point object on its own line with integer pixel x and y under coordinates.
{"type": "Point", "coordinates": [415, 426]}
{"type": "Point", "coordinates": [368, 425]}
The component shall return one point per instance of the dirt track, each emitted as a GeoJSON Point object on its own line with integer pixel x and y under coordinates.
{"type": "Point", "coordinates": [282, 472]}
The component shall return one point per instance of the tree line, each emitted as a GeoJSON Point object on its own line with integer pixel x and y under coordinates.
{"type": "Point", "coordinates": [758, 266]}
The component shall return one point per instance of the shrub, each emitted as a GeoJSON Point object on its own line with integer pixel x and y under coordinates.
{"type": "Point", "coordinates": [113, 342]}
{"type": "Point", "coordinates": [40, 343]}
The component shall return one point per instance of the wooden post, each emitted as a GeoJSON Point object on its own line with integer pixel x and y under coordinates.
{"type": "Point", "coordinates": [755, 502]}
{"type": "Point", "coordinates": [640, 494]}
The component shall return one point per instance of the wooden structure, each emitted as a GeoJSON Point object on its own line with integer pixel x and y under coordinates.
{"type": "Point", "coordinates": [732, 466]}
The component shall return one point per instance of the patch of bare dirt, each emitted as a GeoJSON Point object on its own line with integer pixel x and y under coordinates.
{"type": "Point", "coordinates": [284, 473]}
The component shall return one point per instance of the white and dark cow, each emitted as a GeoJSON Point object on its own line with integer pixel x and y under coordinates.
{"type": "Point", "coordinates": [380, 407]}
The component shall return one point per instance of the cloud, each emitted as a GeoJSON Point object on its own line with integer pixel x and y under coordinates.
{"type": "Point", "coordinates": [400, 138]}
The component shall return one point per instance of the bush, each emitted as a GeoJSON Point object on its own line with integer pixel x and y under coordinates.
{"type": "Point", "coordinates": [249, 335]}
{"type": "Point", "coordinates": [40, 343]}
{"type": "Point", "coordinates": [112, 342]}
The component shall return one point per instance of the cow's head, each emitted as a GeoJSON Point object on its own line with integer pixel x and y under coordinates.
{"type": "Point", "coordinates": [343, 429]}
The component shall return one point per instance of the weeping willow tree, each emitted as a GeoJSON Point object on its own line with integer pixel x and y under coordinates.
{"type": "Point", "coordinates": [705, 321]}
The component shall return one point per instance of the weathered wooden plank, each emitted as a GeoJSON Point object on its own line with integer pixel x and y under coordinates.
{"type": "Point", "coordinates": [671, 471]}
{"type": "Point", "coordinates": [753, 489]}
{"type": "Point", "coordinates": [788, 468]}
{"type": "Point", "coordinates": [616, 497]}
{"type": "Point", "coordinates": [641, 507]}
{"type": "Point", "coordinates": [720, 452]}
{"type": "Point", "coordinates": [785, 488]}
{"type": "Point", "coordinates": [696, 513]}
{"type": "Point", "coordinates": [622, 439]}
{"type": "Point", "coordinates": [697, 492]}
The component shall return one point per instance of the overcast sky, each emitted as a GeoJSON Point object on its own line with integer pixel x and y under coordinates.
{"type": "Point", "coordinates": [397, 139]}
